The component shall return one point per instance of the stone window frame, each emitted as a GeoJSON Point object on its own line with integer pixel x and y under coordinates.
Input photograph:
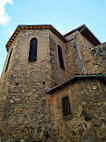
{"type": "Point", "coordinates": [60, 57]}
{"type": "Point", "coordinates": [32, 57]}
{"type": "Point", "coordinates": [66, 108]}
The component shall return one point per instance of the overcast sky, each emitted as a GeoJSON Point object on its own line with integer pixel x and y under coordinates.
{"type": "Point", "coordinates": [64, 15]}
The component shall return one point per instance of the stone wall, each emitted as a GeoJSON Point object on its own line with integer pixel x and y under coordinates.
{"type": "Point", "coordinates": [82, 44]}
{"type": "Point", "coordinates": [22, 99]}
{"type": "Point", "coordinates": [71, 57]}
{"type": "Point", "coordinates": [93, 58]}
{"type": "Point", "coordinates": [99, 55]}
{"type": "Point", "coordinates": [87, 119]}
{"type": "Point", "coordinates": [26, 112]}
{"type": "Point", "coordinates": [86, 58]}
{"type": "Point", "coordinates": [58, 74]}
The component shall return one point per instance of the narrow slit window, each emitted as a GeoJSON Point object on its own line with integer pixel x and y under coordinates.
{"type": "Point", "coordinates": [60, 57]}
{"type": "Point", "coordinates": [33, 49]}
{"type": "Point", "coordinates": [8, 60]}
{"type": "Point", "coordinates": [66, 106]}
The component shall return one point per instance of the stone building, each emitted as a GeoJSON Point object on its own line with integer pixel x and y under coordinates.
{"type": "Point", "coordinates": [52, 87]}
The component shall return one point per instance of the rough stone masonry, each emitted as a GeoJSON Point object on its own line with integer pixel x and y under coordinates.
{"type": "Point", "coordinates": [31, 92]}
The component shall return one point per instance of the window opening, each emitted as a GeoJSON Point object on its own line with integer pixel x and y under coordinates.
{"type": "Point", "coordinates": [60, 57]}
{"type": "Point", "coordinates": [33, 50]}
{"type": "Point", "coordinates": [66, 106]}
{"type": "Point", "coordinates": [8, 60]}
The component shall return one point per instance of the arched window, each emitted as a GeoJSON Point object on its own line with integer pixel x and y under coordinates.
{"type": "Point", "coordinates": [33, 49]}
{"type": "Point", "coordinates": [60, 57]}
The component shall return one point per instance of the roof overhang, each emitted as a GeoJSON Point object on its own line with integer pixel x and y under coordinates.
{"type": "Point", "coordinates": [86, 33]}
{"type": "Point", "coordinates": [76, 78]}
{"type": "Point", "coordinates": [33, 27]}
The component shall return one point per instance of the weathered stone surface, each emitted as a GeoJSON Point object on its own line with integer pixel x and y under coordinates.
{"type": "Point", "coordinates": [87, 120]}
{"type": "Point", "coordinates": [22, 91]}
{"type": "Point", "coordinates": [27, 113]}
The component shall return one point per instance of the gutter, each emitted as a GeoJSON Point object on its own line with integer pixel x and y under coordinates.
{"type": "Point", "coordinates": [74, 38]}
{"type": "Point", "coordinates": [78, 55]}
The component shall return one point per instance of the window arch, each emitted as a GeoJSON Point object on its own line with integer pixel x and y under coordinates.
{"type": "Point", "coordinates": [33, 49]}
{"type": "Point", "coordinates": [60, 57]}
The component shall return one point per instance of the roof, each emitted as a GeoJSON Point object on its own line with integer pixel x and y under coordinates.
{"type": "Point", "coordinates": [100, 77]}
{"type": "Point", "coordinates": [87, 33]}
{"type": "Point", "coordinates": [33, 27]}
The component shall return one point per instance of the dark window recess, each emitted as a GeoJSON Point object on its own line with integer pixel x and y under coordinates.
{"type": "Point", "coordinates": [43, 83]}
{"type": "Point", "coordinates": [33, 50]}
{"type": "Point", "coordinates": [16, 84]}
{"type": "Point", "coordinates": [66, 106]}
{"type": "Point", "coordinates": [8, 60]}
{"type": "Point", "coordinates": [60, 57]}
